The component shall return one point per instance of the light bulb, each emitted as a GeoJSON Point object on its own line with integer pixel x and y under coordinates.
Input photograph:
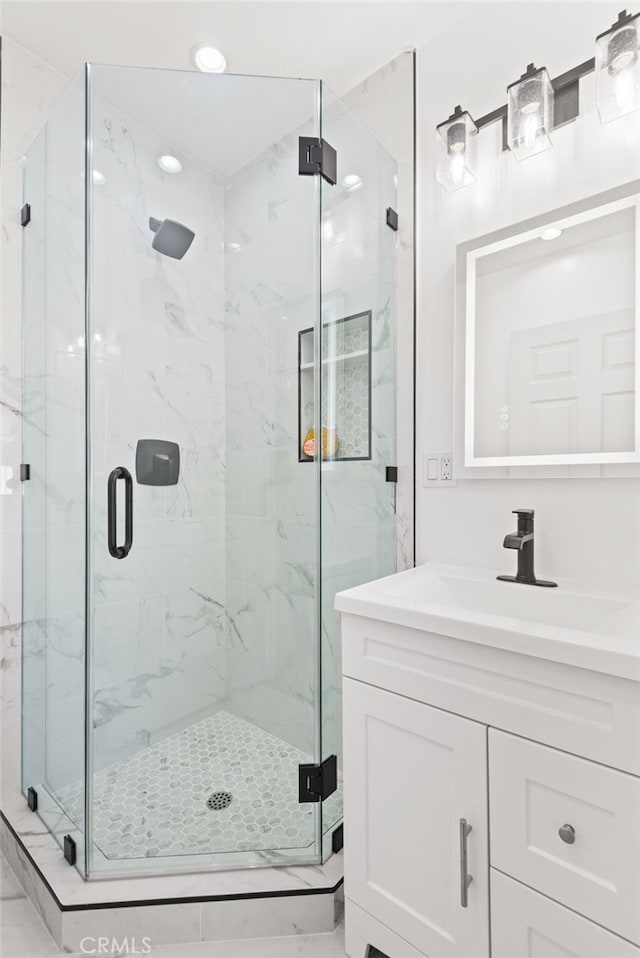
{"type": "Point", "coordinates": [529, 129]}
{"type": "Point", "coordinates": [618, 68]}
{"type": "Point", "coordinates": [352, 182]}
{"type": "Point", "coordinates": [456, 150]}
{"type": "Point", "coordinates": [208, 59]}
{"type": "Point", "coordinates": [457, 169]}
{"type": "Point", "coordinates": [169, 163]}
{"type": "Point", "coordinates": [623, 91]}
{"type": "Point", "coordinates": [529, 113]}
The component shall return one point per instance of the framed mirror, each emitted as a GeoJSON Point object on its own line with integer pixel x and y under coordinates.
{"type": "Point", "coordinates": [546, 346]}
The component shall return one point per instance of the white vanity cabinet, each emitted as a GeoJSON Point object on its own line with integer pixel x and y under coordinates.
{"type": "Point", "coordinates": [492, 796]}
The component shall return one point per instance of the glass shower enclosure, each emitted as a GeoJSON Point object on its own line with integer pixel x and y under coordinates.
{"type": "Point", "coordinates": [209, 414]}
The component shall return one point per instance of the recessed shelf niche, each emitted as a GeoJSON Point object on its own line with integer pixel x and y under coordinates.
{"type": "Point", "coordinates": [345, 388]}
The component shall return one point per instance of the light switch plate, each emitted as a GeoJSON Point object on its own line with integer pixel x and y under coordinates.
{"type": "Point", "coordinates": [437, 470]}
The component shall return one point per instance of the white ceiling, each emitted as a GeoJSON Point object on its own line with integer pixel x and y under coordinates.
{"type": "Point", "coordinates": [340, 43]}
{"type": "Point", "coordinates": [223, 122]}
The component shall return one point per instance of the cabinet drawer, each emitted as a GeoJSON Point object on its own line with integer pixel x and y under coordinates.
{"type": "Point", "coordinates": [525, 924]}
{"type": "Point", "coordinates": [581, 711]}
{"type": "Point", "coordinates": [537, 792]}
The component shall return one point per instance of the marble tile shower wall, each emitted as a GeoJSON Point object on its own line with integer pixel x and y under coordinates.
{"type": "Point", "coordinates": [271, 530]}
{"type": "Point", "coordinates": [158, 372]}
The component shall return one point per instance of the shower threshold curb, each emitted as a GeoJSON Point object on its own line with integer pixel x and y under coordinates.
{"type": "Point", "coordinates": [168, 909]}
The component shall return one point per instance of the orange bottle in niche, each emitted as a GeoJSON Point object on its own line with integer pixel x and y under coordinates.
{"type": "Point", "coordinates": [330, 443]}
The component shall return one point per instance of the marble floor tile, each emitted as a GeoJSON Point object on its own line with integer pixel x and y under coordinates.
{"type": "Point", "coordinates": [10, 887]}
{"type": "Point", "coordinates": [221, 785]}
{"type": "Point", "coordinates": [297, 946]}
{"type": "Point", "coordinates": [22, 935]}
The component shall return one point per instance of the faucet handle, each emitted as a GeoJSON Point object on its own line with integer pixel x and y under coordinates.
{"type": "Point", "coordinates": [529, 513]}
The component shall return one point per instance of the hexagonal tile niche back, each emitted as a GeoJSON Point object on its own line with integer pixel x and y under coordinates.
{"type": "Point", "coordinates": [155, 802]}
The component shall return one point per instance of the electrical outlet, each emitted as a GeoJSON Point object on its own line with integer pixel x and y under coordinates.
{"type": "Point", "coordinates": [437, 470]}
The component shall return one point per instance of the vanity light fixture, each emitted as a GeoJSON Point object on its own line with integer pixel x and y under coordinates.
{"type": "Point", "coordinates": [538, 104]}
{"type": "Point", "coordinates": [456, 145]}
{"type": "Point", "coordinates": [550, 233]}
{"type": "Point", "coordinates": [169, 163]}
{"type": "Point", "coordinates": [208, 59]}
{"type": "Point", "coordinates": [618, 68]}
{"type": "Point", "coordinates": [530, 113]}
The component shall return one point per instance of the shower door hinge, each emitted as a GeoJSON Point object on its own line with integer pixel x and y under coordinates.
{"type": "Point", "coordinates": [317, 156]}
{"type": "Point", "coordinates": [391, 474]}
{"type": "Point", "coordinates": [392, 219]}
{"type": "Point", "coordinates": [70, 849]}
{"type": "Point", "coordinates": [25, 471]}
{"type": "Point", "coordinates": [32, 799]}
{"type": "Point", "coordinates": [337, 839]}
{"type": "Point", "coordinates": [25, 214]}
{"type": "Point", "coordinates": [317, 782]}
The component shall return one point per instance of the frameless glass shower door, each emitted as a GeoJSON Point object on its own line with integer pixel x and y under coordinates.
{"type": "Point", "coordinates": [204, 661]}
{"type": "Point", "coordinates": [209, 338]}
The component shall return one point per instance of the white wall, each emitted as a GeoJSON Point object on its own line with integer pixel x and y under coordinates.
{"type": "Point", "coordinates": [587, 528]}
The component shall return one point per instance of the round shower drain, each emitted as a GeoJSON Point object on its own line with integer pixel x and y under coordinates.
{"type": "Point", "coordinates": [219, 800]}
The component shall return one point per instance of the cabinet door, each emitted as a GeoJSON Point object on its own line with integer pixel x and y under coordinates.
{"type": "Point", "coordinates": [411, 775]}
{"type": "Point", "coordinates": [525, 924]}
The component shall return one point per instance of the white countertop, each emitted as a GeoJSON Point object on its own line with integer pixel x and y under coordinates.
{"type": "Point", "coordinates": [575, 624]}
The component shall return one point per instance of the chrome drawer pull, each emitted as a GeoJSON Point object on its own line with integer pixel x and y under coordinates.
{"type": "Point", "coordinates": [465, 877]}
{"type": "Point", "coordinates": [568, 834]}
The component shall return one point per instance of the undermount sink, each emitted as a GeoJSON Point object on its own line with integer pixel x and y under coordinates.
{"type": "Point", "coordinates": [568, 624]}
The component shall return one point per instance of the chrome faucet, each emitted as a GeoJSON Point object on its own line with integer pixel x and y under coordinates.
{"type": "Point", "coordinates": [522, 540]}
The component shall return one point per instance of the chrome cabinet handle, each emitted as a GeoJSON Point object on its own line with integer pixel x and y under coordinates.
{"type": "Point", "coordinates": [568, 834]}
{"type": "Point", "coordinates": [465, 877]}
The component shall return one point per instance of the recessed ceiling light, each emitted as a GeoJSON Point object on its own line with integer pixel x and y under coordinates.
{"type": "Point", "coordinates": [169, 164]}
{"type": "Point", "coordinates": [550, 233]}
{"type": "Point", "coordinates": [352, 182]}
{"type": "Point", "coordinates": [208, 59]}
{"type": "Point", "coordinates": [99, 178]}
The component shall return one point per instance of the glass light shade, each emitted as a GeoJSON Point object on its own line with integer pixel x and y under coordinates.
{"type": "Point", "coordinates": [618, 69]}
{"type": "Point", "coordinates": [457, 151]}
{"type": "Point", "coordinates": [530, 113]}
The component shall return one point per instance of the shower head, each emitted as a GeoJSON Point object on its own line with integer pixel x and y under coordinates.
{"type": "Point", "coordinates": [172, 238]}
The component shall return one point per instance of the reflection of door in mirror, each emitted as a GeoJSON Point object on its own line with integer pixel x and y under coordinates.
{"type": "Point", "coordinates": [571, 386]}
{"type": "Point", "coordinates": [554, 315]}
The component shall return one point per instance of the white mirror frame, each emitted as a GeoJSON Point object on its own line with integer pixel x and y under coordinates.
{"type": "Point", "coordinates": [564, 465]}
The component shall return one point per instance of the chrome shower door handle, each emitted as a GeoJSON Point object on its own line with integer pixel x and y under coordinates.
{"type": "Point", "coordinates": [119, 552]}
{"type": "Point", "coordinates": [465, 877]}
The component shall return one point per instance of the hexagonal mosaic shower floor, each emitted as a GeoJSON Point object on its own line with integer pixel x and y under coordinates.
{"type": "Point", "coordinates": [155, 802]}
